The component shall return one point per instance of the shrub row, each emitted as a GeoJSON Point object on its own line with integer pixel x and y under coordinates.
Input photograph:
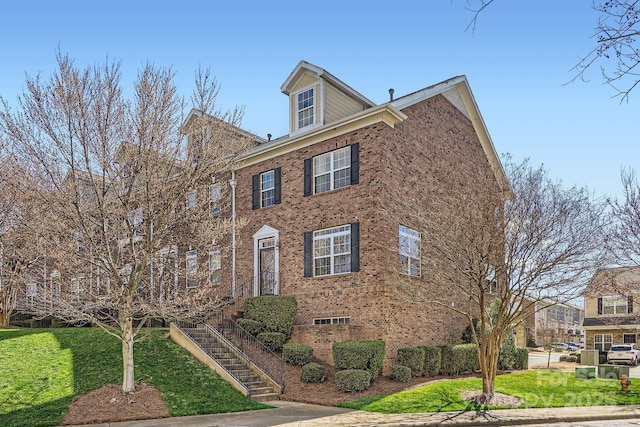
{"type": "Point", "coordinates": [365, 355]}
{"type": "Point", "coordinates": [451, 359]}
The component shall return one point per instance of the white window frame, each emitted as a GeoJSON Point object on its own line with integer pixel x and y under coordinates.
{"type": "Point", "coordinates": [214, 266]}
{"type": "Point", "coordinates": [332, 170]}
{"type": "Point", "coordinates": [409, 254]}
{"type": "Point", "coordinates": [345, 320]}
{"type": "Point", "coordinates": [492, 283]}
{"type": "Point", "coordinates": [320, 240]}
{"type": "Point", "coordinates": [307, 119]}
{"type": "Point", "coordinates": [31, 292]}
{"type": "Point", "coordinates": [602, 342]}
{"type": "Point", "coordinates": [617, 304]}
{"type": "Point", "coordinates": [268, 193]}
{"type": "Point", "coordinates": [191, 269]}
{"type": "Point", "coordinates": [192, 199]}
{"type": "Point", "coordinates": [215, 196]}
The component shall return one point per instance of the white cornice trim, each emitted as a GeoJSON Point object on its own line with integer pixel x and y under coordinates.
{"type": "Point", "coordinates": [384, 113]}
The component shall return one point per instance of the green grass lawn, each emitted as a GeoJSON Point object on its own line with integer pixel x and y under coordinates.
{"type": "Point", "coordinates": [538, 389]}
{"type": "Point", "coordinates": [43, 370]}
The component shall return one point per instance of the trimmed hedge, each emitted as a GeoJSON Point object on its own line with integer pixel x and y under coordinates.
{"type": "Point", "coordinates": [272, 340]}
{"type": "Point", "coordinates": [313, 373]}
{"type": "Point", "coordinates": [521, 358]}
{"type": "Point", "coordinates": [458, 359]}
{"type": "Point", "coordinates": [252, 326]}
{"type": "Point", "coordinates": [297, 354]}
{"type": "Point", "coordinates": [275, 312]}
{"type": "Point", "coordinates": [432, 360]}
{"type": "Point", "coordinates": [351, 380]}
{"type": "Point", "coordinates": [360, 354]}
{"type": "Point", "coordinates": [412, 358]}
{"type": "Point", "coordinates": [400, 373]}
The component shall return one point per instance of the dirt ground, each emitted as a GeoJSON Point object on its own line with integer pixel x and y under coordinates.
{"type": "Point", "coordinates": [108, 404]}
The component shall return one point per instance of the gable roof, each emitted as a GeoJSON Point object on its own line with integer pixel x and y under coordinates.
{"type": "Point", "coordinates": [614, 281]}
{"type": "Point", "coordinates": [306, 67]}
{"type": "Point", "coordinates": [458, 92]}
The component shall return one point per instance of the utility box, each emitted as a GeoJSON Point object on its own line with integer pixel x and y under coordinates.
{"type": "Point", "coordinates": [612, 372]}
{"type": "Point", "coordinates": [586, 372]}
{"type": "Point", "coordinates": [589, 357]}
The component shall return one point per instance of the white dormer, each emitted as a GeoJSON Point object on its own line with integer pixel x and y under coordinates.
{"type": "Point", "coordinates": [317, 98]}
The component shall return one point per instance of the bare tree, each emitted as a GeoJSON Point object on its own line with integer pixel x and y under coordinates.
{"type": "Point", "coordinates": [548, 337]}
{"type": "Point", "coordinates": [129, 211]}
{"type": "Point", "coordinates": [537, 244]}
{"type": "Point", "coordinates": [616, 33]}
{"type": "Point", "coordinates": [623, 237]}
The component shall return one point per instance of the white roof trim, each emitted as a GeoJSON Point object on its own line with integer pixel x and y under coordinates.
{"type": "Point", "coordinates": [323, 74]}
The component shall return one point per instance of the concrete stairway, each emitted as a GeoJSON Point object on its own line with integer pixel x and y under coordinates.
{"type": "Point", "coordinates": [258, 385]}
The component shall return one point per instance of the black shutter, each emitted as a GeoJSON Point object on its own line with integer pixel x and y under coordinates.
{"type": "Point", "coordinates": [277, 177]}
{"type": "Point", "coordinates": [630, 304]}
{"type": "Point", "coordinates": [255, 181]}
{"type": "Point", "coordinates": [308, 254]}
{"type": "Point", "coordinates": [355, 163]}
{"type": "Point", "coordinates": [308, 179]}
{"type": "Point", "coordinates": [599, 305]}
{"type": "Point", "coordinates": [355, 246]}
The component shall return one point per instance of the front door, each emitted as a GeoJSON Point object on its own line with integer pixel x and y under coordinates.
{"type": "Point", "coordinates": [267, 265]}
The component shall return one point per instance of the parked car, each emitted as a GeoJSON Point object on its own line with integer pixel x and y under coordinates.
{"type": "Point", "coordinates": [573, 346]}
{"type": "Point", "coordinates": [560, 346]}
{"type": "Point", "coordinates": [626, 353]}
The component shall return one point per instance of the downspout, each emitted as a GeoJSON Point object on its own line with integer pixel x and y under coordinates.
{"type": "Point", "coordinates": [232, 183]}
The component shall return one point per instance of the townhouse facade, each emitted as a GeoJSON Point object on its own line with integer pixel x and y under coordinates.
{"type": "Point", "coordinates": [610, 314]}
{"type": "Point", "coordinates": [332, 208]}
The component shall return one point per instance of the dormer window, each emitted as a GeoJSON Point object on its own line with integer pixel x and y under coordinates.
{"type": "Point", "coordinates": [306, 108]}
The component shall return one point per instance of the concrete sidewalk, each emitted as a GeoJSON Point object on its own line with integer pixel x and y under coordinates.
{"type": "Point", "coordinates": [291, 414]}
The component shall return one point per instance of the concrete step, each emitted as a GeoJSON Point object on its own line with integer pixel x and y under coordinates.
{"type": "Point", "coordinates": [266, 397]}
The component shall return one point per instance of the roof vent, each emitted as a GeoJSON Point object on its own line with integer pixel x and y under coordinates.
{"type": "Point", "coordinates": [268, 137]}
{"type": "Point", "coordinates": [390, 94]}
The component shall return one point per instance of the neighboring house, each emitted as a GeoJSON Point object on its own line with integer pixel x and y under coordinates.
{"type": "Point", "coordinates": [610, 316]}
{"type": "Point", "coordinates": [546, 316]}
{"type": "Point", "coordinates": [332, 207]}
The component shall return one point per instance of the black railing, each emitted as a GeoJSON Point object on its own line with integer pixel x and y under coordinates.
{"type": "Point", "coordinates": [266, 360]}
{"type": "Point", "coordinates": [182, 326]}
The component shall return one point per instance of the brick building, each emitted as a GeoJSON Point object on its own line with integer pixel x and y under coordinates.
{"type": "Point", "coordinates": [330, 207]}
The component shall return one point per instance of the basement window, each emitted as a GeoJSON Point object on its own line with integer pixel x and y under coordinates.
{"type": "Point", "coordinates": [332, 321]}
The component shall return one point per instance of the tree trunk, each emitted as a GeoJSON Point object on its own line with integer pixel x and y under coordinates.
{"type": "Point", "coordinates": [4, 319]}
{"type": "Point", "coordinates": [128, 383]}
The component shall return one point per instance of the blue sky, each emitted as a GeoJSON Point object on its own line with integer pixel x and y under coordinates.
{"type": "Point", "coordinates": [517, 63]}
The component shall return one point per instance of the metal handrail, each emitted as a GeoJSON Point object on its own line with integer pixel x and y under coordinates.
{"type": "Point", "coordinates": [259, 355]}
{"type": "Point", "coordinates": [182, 329]}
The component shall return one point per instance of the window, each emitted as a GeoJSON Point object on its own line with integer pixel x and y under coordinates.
{"type": "Point", "coordinates": [409, 247]}
{"type": "Point", "coordinates": [332, 321]}
{"type": "Point", "coordinates": [192, 199]}
{"type": "Point", "coordinates": [613, 305]}
{"type": "Point", "coordinates": [215, 266]}
{"type": "Point", "coordinates": [191, 269]}
{"type": "Point", "coordinates": [266, 189]}
{"type": "Point", "coordinates": [135, 218]}
{"type": "Point", "coordinates": [602, 342]}
{"type": "Point", "coordinates": [31, 292]}
{"type": "Point", "coordinates": [215, 194]}
{"type": "Point", "coordinates": [332, 251]}
{"type": "Point", "coordinates": [76, 285]}
{"type": "Point", "coordinates": [629, 338]}
{"type": "Point", "coordinates": [333, 170]}
{"type": "Point", "coordinates": [305, 108]}
{"type": "Point", "coordinates": [492, 283]}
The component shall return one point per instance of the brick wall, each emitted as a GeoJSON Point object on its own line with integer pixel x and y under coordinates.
{"type": "Point", "coordinates": [416, 158]}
